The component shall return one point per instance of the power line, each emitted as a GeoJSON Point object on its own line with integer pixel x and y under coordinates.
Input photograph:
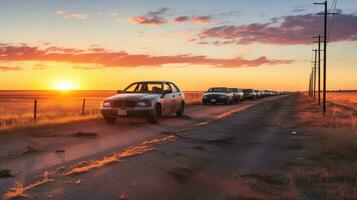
{"type": "Point", "coordinates": [333, 9]}
{"type": "Point", "coordinates": [326, 13]}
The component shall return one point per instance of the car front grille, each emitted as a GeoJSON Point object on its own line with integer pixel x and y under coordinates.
{"type": "Point", "coordinates": [213, 96]}
{"type": "Point", "coordinates": [124, 104]}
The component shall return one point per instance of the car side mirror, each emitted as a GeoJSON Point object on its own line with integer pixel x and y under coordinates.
{"type": "Point", "coordinates": [119, 91]}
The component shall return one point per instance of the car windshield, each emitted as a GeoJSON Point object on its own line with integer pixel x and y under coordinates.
{"type": "Point", "coordinates": [144, 87]}
{"type": "Point", "coordinates": [234, 89]}
{"type": "Point", "coordinates": [247, 90]}
{"type": "Point", "coordinates": [223, 90]}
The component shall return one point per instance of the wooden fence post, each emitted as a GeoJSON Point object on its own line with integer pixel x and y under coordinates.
{"type": "Point", "coordinates": [83, 106]}
{"type": "Point", "coordinates": [35, 110]}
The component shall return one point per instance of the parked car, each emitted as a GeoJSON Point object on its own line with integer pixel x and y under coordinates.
{"type": "Point", "coordinates": [258, 93]}
{"type": "Point", "coordinates": [149, 99]}
{"type": "Point", "coordinates": [249, 94]}
{"type": "Point", "coordinates": [238, 94]}
{"type": "Point", "coordinates": [266, 93]}
{"type": "Point", "coordinates": [217, 95]}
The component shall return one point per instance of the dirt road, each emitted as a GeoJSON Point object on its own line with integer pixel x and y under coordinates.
{"type": "Point", "coordinates": [214, 154]}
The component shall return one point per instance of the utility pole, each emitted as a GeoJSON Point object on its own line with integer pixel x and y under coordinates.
{"type": "Point", "coordinates": [319, 69]}
{"type": "Point", "coordinates": [309, 85]}
{"type": "Point", "coordinates": [325, 64]}
{"type": "Point", "coordinates": [314, 71]}
{"type": "Point", "coordinates": [325, 52]}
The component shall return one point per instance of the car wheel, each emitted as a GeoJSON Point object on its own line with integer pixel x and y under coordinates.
{"type": "Point", "coordinates": [182, 109]}
{"type": "Point", "coordinates": [109, 120]}
{"type": "Point", "coordinates": [154, 117]}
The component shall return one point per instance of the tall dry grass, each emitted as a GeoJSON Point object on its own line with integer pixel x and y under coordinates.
{"type": "Point", "coordinates": [16, 107]}
{"type": "Point", "coordinates": [332, 149]}
{"type": "Point", "coordinates": [337, 130]}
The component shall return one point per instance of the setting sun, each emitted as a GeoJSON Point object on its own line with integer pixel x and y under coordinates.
{"type": "Point", "coordinates": [64, 85]}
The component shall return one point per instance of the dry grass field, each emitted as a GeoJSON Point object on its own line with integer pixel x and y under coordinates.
{"type": "Point", "coordinates": [348, 98]}
{"type": "Point", "coordinates": [341, 111]}
{"type": "Point", "coordinates": [16, 107]}
{"type": "Point", "coordinates": [331, 168]}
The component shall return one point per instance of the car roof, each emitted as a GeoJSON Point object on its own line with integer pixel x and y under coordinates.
{"type": "Point", "coordinates": [153, 82]}
{"type": "Point", "coordinates": [218, 87]}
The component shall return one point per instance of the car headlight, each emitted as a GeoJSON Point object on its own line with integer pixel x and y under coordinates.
{"type": "Point", "coordinates": [223, 97]}
{"type": "Point", "coordinates": [107, 104]}
{"type": "Point", "coordinates": [143, 104]}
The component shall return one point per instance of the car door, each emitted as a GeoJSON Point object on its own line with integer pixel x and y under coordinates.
{"type": "Point", "coordinates": [176, 96]}
{"type": "Point", "coordinates": [169, 99]}
{"type": "Point", "coordinates": [230, 94]}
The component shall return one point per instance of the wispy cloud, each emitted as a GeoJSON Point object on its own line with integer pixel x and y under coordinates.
{"type": "Point", "coordinates": [299, 10]}
{"type": "Point", "coordinates": [75, 15]}
{"type": "Point", "coordinates": [151, 18]}
{"type": "Point", "coordinates": [114, 14]}
{"type": "Point", "coordinates": [104, 58]}
{"type": "Point", "coordinates": [194, 19]}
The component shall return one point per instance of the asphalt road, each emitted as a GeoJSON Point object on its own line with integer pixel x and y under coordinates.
{"type": "Point", "coordinates": [191, 158]}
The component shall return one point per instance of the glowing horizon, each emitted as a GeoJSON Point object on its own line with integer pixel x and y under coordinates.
{"type": "Point", "coordinates": [96, 46]}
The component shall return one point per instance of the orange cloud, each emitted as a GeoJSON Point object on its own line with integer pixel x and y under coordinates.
{"type": "Point", "coordinates": [10, 53]}
{"type": "Point", "coordinates": [7, 69]}
{"type": "Point", "coordinates": [201, 19]}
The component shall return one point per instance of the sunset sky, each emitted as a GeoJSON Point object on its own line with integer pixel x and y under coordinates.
{"type": "Point", "coordinates": [108, 44]}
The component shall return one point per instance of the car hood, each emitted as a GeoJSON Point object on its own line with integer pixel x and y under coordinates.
{"type": "Point", "coordinates": [133, 96]}
{"type": "Point", "coordinates": [215, 93]}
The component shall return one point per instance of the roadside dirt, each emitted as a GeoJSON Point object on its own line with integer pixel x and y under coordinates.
{"type": "Point", "coordinates": [241, 155]}
{"type": "Point", "coordinates": [47, 146]}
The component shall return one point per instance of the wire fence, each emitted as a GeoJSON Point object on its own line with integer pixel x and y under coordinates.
{"type": "Point", "coordinates": [23, 108]}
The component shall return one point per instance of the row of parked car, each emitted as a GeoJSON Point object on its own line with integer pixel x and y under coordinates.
{"type": "Point", "coordinates": [233, 95]}
{"type": "Point", "coordinates": [154, 99]}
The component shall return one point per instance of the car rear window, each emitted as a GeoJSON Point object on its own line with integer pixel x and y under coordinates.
{"type": "Point", "coordinates": [224, 90]}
